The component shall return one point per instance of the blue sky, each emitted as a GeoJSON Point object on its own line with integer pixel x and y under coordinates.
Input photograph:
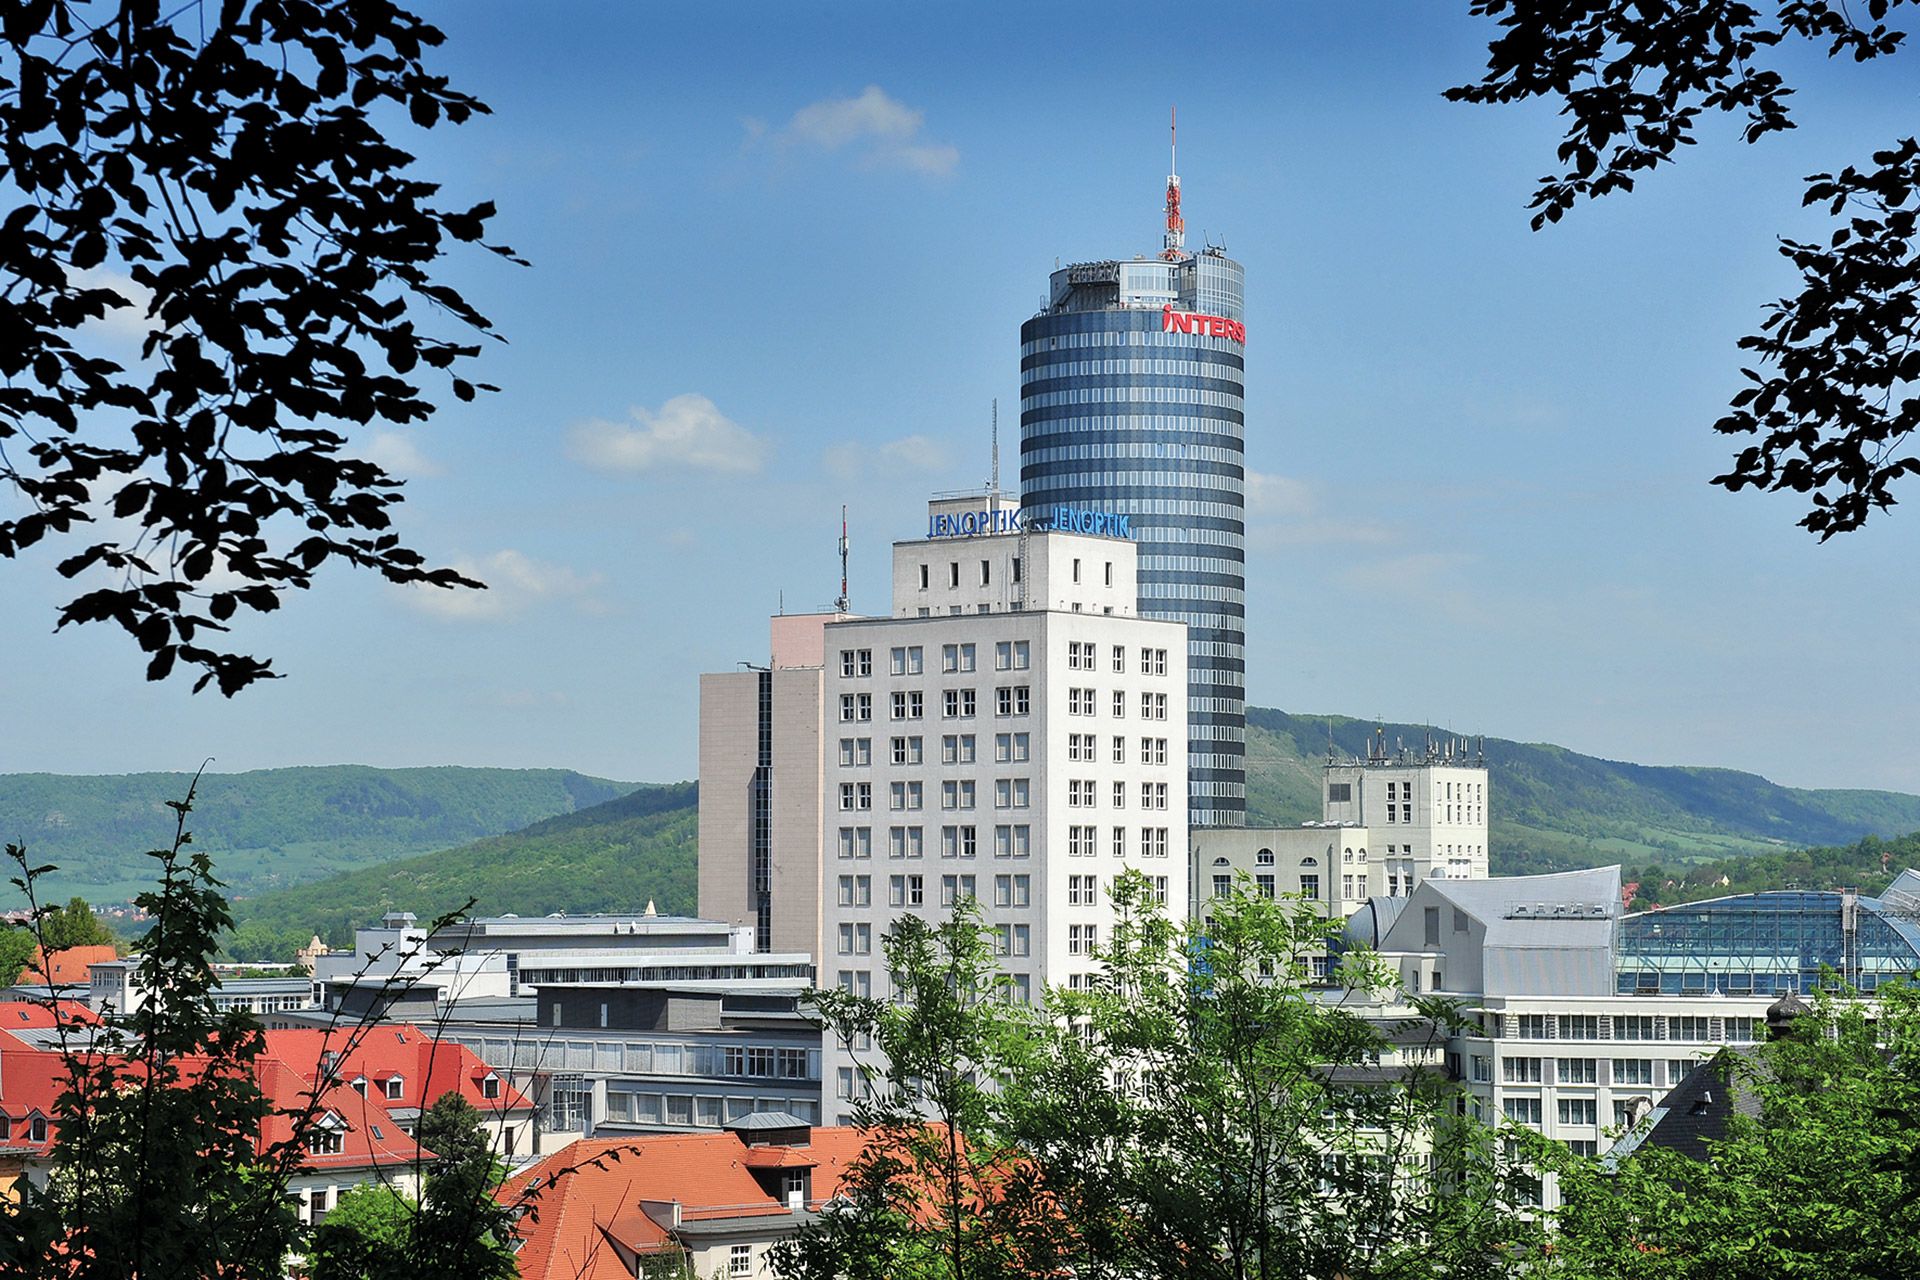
{"type": "Point", "coordinates": [781, 255]}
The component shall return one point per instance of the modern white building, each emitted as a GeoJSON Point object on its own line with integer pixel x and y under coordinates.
{"type": "Point", "coordinates": [1428, 808]}
{"type": "Point", "coordinates": [1580, 1018]}
{"type": "Point", "coordinates": [1012, 733]}
{"type": "Point", "coordinates": [1388, 823]}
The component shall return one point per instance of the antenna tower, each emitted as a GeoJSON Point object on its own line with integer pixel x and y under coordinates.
{"type": "Point", "coordinates": [993, 483]}
{"type": "Point", "coordinates": [843, 604]}
{"type": "Point", "coordinates": [1176, 238]}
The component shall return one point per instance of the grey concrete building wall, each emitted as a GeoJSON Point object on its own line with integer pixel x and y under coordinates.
{"type": "Point", "coordinates": [729, 729]}
{"type": "Point", "coordinates": [796, 800]}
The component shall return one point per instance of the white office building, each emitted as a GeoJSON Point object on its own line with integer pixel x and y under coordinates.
{"type": "Point", "coordinates": [1387, 823]}
{"type": "Point", "coordinates": [1012, 733]}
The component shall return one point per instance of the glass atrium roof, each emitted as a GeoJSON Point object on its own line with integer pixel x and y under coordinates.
{"type": "Point", "coordinates": [1766, 944]}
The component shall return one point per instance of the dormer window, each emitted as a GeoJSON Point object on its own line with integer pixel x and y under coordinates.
{"type": "Point", "coordinates": [360, 1085]}
{"type": "Point", "coordinates": [490, 1087]}
{"type": "Point", "coordinates": [396, 1088]}
{"type": "Point", "coordinates": [325, 1142]}
{"type": "Point", "coordinates": [37, 1129]}
{"type": "Point", "coordinates": [6, 1128]}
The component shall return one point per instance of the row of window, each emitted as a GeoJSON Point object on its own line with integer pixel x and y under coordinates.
{"type": "Point", "coordinates": [910, 660]}
{"type": "Point", "coordinates": [1009, 841]}
{"type": "Point", "coordinates": [1083, 793]}
{"type": "Point", "coordinates": [955, 704]}
{"type": "Point", "coordinates": [1635, 1026]}
{"type": "Point", "coordinates": [1086, 702]}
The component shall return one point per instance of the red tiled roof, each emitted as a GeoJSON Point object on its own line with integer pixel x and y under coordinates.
{"type": "Point", "coordinates": [584, 1210]}
{"type": "Point", "coordinates": [69, 966]}
{"type": "Point", "coordinates": [426, 1069]}
{"type": "Point", "coordinates": [36, 1015]}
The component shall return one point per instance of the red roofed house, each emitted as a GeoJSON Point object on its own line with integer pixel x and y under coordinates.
{"type": "Point", "coordinates": [713, 1201]}
{"type": "Point", "coordinates": [68, 968]}
{"type": "Point", "coordinates": [364, 1118]}
{"type": "Point", "coordinates": [409, 1070]}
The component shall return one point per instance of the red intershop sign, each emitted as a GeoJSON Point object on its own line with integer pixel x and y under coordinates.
{"type": "Point", "coordinates": [1206, 326]}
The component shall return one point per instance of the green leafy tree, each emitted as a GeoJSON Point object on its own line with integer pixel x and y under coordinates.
{"type": "Point", "coordinates": [1201, 1110]}
{"type": "Point", "coordinates": [74, 925]}
{"type": "Point", "coordinates": [16, 949]}
{"type": "Point", "coordinates": [365, 1237]}
{"type": "Point", "coordinates": [157, 1163]}
{"type": "Point", "coordinates": [220, 174]}
{"type": "Point", "coordinates": [1823, 1185]}
{"type": "Point", "coordinates": [1835, 414]}
{"type": "Point", "coordinates": [937, 1191]}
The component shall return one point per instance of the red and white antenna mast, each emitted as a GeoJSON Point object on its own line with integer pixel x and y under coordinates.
{"type": "Point", "coordinates": [1176, 238]}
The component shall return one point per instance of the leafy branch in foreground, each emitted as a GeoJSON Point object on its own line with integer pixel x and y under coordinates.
{"type": "Point", "coordinates": [218, 175]}
{"type": "Point", "coordinates": [1633, 79]}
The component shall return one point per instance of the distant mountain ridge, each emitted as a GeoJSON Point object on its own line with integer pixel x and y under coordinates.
{"type": "Point", "coordinates": [619, 855]}
{"type": "Point", "coordinates": [272, 828]}
{"type": "Point", "coordinates": [329, 848]}
{"type": "Point", "coordinates": [1550, 808]}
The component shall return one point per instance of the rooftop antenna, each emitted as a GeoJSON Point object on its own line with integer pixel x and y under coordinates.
{"type": "Point", "coordinates": [843, 605]}
{"type": "Point", "coordinates": [993, 485]}
{"type": "Point", "coordinates": [1176, 238]}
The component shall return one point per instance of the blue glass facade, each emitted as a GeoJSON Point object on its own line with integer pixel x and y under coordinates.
{"type": "Point", "coordinates": [1765, 944]}
{"type": "Point", "coordinates": [1122, 411]}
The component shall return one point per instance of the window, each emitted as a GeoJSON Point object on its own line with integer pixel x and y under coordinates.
{"type": "Point", "coordinates": [1522, 1110]}
{"type": "Point", "coordinates": [394, 1087]}
{"type": "Point", "coordinates": [1265, 885]}
{"type": "Point", "coordinates": [846, 664]}
{"type": "Point", "coordinates": [1153, 662]}
{"type": "Point", "coordinates": [1633, 1071]}
{"type": "Point", "coordinates": [1014, 700]}
{"type": "Point", "coordinates": [846, 891]}
{"type": "Point", "coordinates": [1153, 842]}
{"type": "Point", "coordinates": [1310, 887]}
{"type": "Point", "coordinates": [1520, 1070]}
{"type": "Point", "coordinates": [1003, 891]}
{"type": "Point", "coordinates": [949, 888]}
{"type": "Point", "coordinates": [321, 1142]}
{"type": "Point", "coordinates": [1635, 1026]}
{"type": "Point", "coordinates": [1082, 939]}
{"type": "Point", "coordinates": [1120, 704]}
{"type": "Point", "coordinates": [1080, 656]}
{"type": "Point", "coordinates": [1011, 841]}
{"type": "Point", "coordinates": [1579, 1071]}
{"type": "Point", "coordinates": [1119, 658]}
{"type": "Point", "coordinates": [1687, 1028]}
{"type": "Point", "coordinates": [1022, 891]}
{"type": "Point", "coordinates": [916, 891]}
{"type": "Point", "coordinates": [1120, 795]}
{"type": "Point", "coordinates": [490, 1087]}
{"type": "Point", "coordinates": [1076, 570]}
{"type": "Point", "coordinates": [957, 704]}
{"type": "Point", "coordinates": [1579, 1111]}
{"type": "Point", "coordinates": [1010, 793]}
{"type": "Point", "coordinates": [1222, 886]}
{"type": "Point", "coordinates": [897, 891]}
{"type": "Point", "coordinates": [953, 573]}
{"type": "Point", "coordinates": [740, 1257]}
{"type": "Point", "coordinates": [1579, 1026]}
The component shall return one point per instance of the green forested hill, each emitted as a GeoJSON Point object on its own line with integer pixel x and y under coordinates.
{"type": "Point", "coordinates": [1550, 808]}
{"type": "Point", "coordinates": [615, 856]}
{"type": "Point", "coordinates": [272, 827]}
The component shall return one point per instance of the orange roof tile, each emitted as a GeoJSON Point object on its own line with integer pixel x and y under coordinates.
{"type": "Point", "coordinates": [588, 1195]}
{"type": "Point", "coordinates": [69, 966]}
{"type": "Point", "coordinates": [426, 1068]}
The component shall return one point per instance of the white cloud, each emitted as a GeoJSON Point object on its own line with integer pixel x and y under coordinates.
{"type": "Point", "coordinates": [395, 452]}
{"type": "Point", "coordinates": [876, 128]}
{"type": "Point", "coordinates": [128, 322]}
{"type": "Point", "coordinates": [914, 455]}
{"type": "Point", "coordinates": [515, 583]}
{"type": "Point", "coordinates": [1286, 512]}
{"type": "Point", "coordinates": [687, 431]}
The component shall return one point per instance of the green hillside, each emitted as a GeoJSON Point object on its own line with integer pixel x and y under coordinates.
{"type": "Point", "coordinates": [1552, 809]}
{"type": "Point", "coordinates": [274, 827]}
{"type": "Point", "coordinates": [615, 856]}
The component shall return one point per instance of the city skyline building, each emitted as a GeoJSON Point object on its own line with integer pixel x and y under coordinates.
{"type": "Point", "coordinates": [1010, 734]}
{"type": "Point", "coordinates": [1132, 401]}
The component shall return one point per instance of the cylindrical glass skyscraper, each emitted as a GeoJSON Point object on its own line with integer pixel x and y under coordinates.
{"type": "Point", "coordinates": [1131, 386]}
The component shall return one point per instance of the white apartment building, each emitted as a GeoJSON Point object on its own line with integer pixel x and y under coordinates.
{"type": "Point", "coordinates": [1014, 733]}
{"type": "Point", "coordinates": [1552, 1042]}
{"type": "Point", "coordinates": [1428, 808]}
{"type": "Point", "coordinates": [1388, 823]}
